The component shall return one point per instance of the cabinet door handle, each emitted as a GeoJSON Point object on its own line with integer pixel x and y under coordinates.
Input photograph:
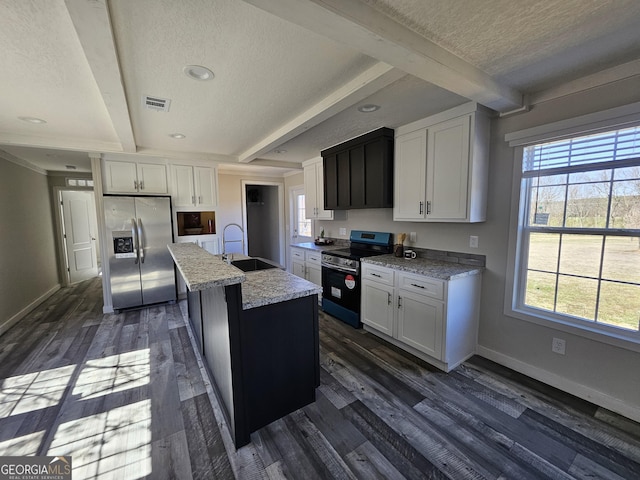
{"type": "Point", "coordinates": [421, 207]}
{"type": "Point", "coordinates": [376, 275]}
{"type": "Point", "coordinates": [399, 301]}
{"type": "Point", "coordinates": [388, 298]}
{"type": "Point", "coordinates": [135, 185]}
{"type": "Point", "coordinates": [193, 199]}
{"type": "Point", "coordinates": [141, 185]}
{"type": "Point", "coordinates": [419, 286]}
{"type": "Point", "coordinates": [200, 199]}
{"type": "Point", "coordinates": [428, 208]}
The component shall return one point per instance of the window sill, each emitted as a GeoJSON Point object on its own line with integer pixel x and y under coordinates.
{"type": "Point", "coordinates": [616, 337]}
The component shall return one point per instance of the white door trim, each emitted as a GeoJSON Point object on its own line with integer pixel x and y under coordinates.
{"type": "Point", "coordinates": [63, 262]}
{"type": "Point", "coordinates": [281, 233]}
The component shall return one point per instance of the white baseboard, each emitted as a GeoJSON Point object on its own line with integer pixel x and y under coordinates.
{"type": "Point", "coordinates": [574, 388]}
{"type": "Point", "coordinates": [7, 324]}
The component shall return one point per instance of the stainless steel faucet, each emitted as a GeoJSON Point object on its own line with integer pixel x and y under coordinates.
{"type": "Point", "coordinates": [224, 241]}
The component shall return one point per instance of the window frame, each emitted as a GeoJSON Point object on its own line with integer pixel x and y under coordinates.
{"type": "Point", "coordinates": [519, 246]}
{"type": "Point", "coordinates": [295, 220]}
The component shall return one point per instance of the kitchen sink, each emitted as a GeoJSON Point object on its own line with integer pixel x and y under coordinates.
{"type": "Point", "coordinates": [253, 264]}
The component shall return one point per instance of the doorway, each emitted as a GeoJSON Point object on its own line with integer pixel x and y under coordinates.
{"type": "Point", "coordinates": [79, 234]}
{"type": "Point", "coordinates": [263, 206]}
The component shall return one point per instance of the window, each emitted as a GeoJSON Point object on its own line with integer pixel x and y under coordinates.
{"type": "Point", "coordinates": [301, 225]}
{"type": "Point", "coordinates": [579, 238]}
{"type": "Point", "coordinates": [79, 182]}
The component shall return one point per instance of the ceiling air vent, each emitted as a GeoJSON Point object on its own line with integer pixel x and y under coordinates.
{"type": "Point", "coordinates": [156, 103]}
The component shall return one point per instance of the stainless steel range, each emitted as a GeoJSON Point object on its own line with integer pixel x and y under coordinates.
{"type": "Point", "coordinates": [341, 288]}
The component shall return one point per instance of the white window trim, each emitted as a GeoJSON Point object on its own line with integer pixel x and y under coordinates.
{"type": "Point", "coordinates": [600, 121]}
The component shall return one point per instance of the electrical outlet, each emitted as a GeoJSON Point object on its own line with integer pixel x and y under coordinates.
{"type": "Point", "coordinates": [558, 346]}
{"type": "Point", "coordinates": [473, 241]}
{"type": "Point", "coordinates": [412, 237]}
{"type": "Point", "coordinates": [343, 231]}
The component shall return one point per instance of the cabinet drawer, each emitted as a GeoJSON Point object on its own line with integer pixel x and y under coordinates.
{"type": "Point", "coordinates": [314, 258]}
{"type": "Point", "coordinates": [422, 285]}
{"type": "Point", "coordinates": [374, 273]}
{"type": "Point", "coordinates": [297, 254]}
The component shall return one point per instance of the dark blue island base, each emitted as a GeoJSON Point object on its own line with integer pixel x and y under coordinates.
{"type": "Point", "coordinates": [264, 361]}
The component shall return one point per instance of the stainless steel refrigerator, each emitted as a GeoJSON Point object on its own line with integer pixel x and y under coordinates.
{"type": "Point", "coordinates": [140, 265]}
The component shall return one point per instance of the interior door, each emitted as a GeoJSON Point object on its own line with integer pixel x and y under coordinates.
{"type": "Point", "coordinates": [80, 225]}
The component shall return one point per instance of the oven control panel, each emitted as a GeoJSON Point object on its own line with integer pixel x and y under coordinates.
{"type": "Point", "coordinates": [333, 261]}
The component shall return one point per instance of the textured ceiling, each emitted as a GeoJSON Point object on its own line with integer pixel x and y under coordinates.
{"type": "Point", "coordinates": [266, 71]}
{"type": "Point", "coordinates": [528, 44]}
{"type": "Point", "coordinates": [289, 74]}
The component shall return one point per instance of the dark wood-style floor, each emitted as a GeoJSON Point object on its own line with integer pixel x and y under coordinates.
{"type": "Point", "coordinates": [126, 396]}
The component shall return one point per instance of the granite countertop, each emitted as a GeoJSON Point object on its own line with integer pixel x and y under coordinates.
{"type": "Point", "coordinates": [264, 287]}
{"type": "Point", "coordinates": [201, 270]}
{"type": "Point", "coordinates": [424, 266]}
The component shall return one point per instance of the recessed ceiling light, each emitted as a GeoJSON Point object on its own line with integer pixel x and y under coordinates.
{"type": "Point", "coordinates": [370, 107]}
{"type": "Point", "coordinates": [280, 151]}
{"type": "Point", "coordinates": [34, 120]}
{"type": "Point", "coordinates": [198, 72]}
{"type": "Point", "coordinates": [177, 135]}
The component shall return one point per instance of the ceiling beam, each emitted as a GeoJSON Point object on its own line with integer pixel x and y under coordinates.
{"type": "Point", "coordinates": [598, 79]}
{"type": "Point", "coordinates": [364, 85]}
{"type": "Point", "coordinates": [58, 143]}
{"type": "Point", "coordinates": [360, 26]}
{"type": "Point", "coordinates": [93, 26]}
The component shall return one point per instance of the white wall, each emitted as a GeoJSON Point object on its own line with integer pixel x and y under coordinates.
{"type": "Point", "coordinates": [28, 270]}
{"type": "Point", "coordinates": [602, 373]}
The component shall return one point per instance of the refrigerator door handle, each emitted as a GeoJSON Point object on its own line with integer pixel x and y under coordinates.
{"type": "Point", "coordinates": [134, 234]}
{"type": "Point", "coordinates": [140, 240]}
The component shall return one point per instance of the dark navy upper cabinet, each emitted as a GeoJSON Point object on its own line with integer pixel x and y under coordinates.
{"type": "Point", "coordinates": [359, 172]}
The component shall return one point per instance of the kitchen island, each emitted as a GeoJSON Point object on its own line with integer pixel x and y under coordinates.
{"type": "Point", "coordinates": [258, 333]}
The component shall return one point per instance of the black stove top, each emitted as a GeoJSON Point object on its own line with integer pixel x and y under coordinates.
{"type": "Point", "coordinates": [357, 253]}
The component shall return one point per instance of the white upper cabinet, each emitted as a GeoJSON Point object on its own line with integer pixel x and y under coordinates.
{"type": "Point", "coordinates": [410, 176]}
{"type": "Point", "coordinates": [134, 177]}
{"type": "Point", "coordinates": [314, 191]}
{"type": "Point", "coordinates": [194, 186]}
{"type": "Point", "coordinates": [441, 167]}
{"type": "Point", "coordinates": [448, 158]}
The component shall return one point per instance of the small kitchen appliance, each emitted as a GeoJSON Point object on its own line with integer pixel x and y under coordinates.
{"type": "Point", "coordinates": [341, 289]}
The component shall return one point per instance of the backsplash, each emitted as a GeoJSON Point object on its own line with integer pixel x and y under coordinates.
{"type": "Point", "coordinates": [441, 255]}
{"type": "Point", "coordinates": [453, 257]}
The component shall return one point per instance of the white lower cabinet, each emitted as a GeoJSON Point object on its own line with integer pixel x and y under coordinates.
{"type": "Point", "coordinates": [307, 264]}
{"type": "Point", "coordinates": [420, 322]}
{"type": "Point", "coordinates": [298, 267]}
{"type": "Point", "coordinates": [436, 320]}
{"type": "Point", "coordinates": [378, 309]}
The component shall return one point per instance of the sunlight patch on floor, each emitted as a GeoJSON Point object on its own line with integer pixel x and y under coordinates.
{"type": "Point", "coordinates": [33, 391]}
{"type": "Point", "coordinates": [114, 373]}
{"type": "Point", "coordinates": [113, 444]}
{"type": "Point", "coordinates": [25, 445]}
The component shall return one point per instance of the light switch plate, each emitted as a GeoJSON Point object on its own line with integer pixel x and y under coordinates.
{"type": "Point", "coordinates": [343, 231]}
{"type": "Point", "coordinates": [473, 241]}
{"type": "Point", "coordinates": [412, 237]}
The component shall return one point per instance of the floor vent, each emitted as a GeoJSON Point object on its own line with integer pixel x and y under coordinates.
{"type": "Point", "coordinates": [156, 103]}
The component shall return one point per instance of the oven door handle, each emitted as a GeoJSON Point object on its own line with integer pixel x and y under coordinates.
{"type": "Point", "coordinates": [341, 269]}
